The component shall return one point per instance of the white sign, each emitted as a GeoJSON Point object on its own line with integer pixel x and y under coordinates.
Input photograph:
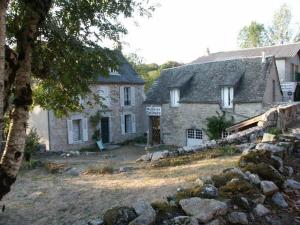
{"type": "Point", "coordinates": [288, 86]}
{"type": "Point", "coordinates": [153, 110]}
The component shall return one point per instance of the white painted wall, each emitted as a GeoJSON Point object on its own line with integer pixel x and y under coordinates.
{"type": "Point", "coordinates": [38, 119]}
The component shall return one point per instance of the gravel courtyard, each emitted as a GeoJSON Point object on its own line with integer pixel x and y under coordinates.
{"type": "Point", "coordinates": [41, 198]}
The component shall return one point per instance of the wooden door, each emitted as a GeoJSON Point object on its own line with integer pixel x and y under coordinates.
{"type": "Point", "coordinates": [155, 127]}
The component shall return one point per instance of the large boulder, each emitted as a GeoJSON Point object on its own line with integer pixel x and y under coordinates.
{"type": "Point", "coordinates": [146, 214]}
{"type": "Point", "coordinates": [256, 157]}
{"type": "Point", "coordinates": [119, 216]}
{"type": "Point", "coordinates": [261, 210]}
{"type": "Point", "coordinates": [159, 155]}
{"type": "Point", "coordinates": [268, 187]}
{"type": "Point", "coordinates": [183, 220]}
{"type": "Point", "coordinates": [209, 191]}
{"type": "Point", "coordinates": [203, 209]}
{"type": "Point", "coordinates": [290, 183]}
{"type": "Point", "coordinates": [279, 200]}
{"type": "Point", "coordinates": [238, 218]}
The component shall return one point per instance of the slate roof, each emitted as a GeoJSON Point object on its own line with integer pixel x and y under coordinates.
{"type": "Point", "coordinates": [201, 83]}
{"type": "Point", "coordinates": [127, 74]}
{"type": "Point", "coordinates": [279, 51]}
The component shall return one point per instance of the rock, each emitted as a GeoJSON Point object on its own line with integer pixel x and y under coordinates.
{"type": "Point", "coordinates": [199, 182]}
{"type": "Point", "coordinates": [124, 169]}
{"type": "Point", "coordinates": [236, 171]}
{"type": "Point", "coordinates": [146, 214]}
{"type": "Point", "coordinates": [96, 222]}
{"type": "Point", "coordinates": [279, 200]}
{"type": "Point", "coordinates": [203, 209]}
{"type": "Point", "coordinates": [159, 155]}
{"type": "Point", "coordinates": [207, 180]}
{"type": "Point", "coordinates": [145, 158]}
{"type": "Point", "coordinates": [290, 183]}
{"type": "Point", "coordinates": [183, 220]}
{"type": "Point", "coordinates": [246, 147]}
{"type": "Point", "coordinates": [268, 138]}
{"type": "Point", "coordinates": [268, 187]}
{"type": "Point", "coordinates": [119, 216]}
{"type": "Point", "coordinates": [238, 218]}
{"type": "Point", "coordinates": [73, 172]}
{"type": "Point", "coordinates": [279, 162]}
{"type": "Point", "coordinates": [253, 178]}
{"type": "Point", "coordinates": [269, 147]}
{"type": "Point", "coordinates": [273, 221]}
{"type": "Point", "coordinates": [261, 210]}
{"type": "Point", "coordinates": [209, 191]}
{"type": "Point", "coordinates": [288, 171]}
{"type": "Point", "coordinates": [259, 198]}
{"type": "Point", "coordinates": [215, 222]}
{"type": "Point", "coordinates": [241, 202]}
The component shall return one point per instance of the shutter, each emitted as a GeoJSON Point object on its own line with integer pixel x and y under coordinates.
{"type": "Point", "coordinates": [122, 96]}
{"type": "Point", "coordinates": [133, 123]}
{"type": "Point", "coordinates": [132, 96]}
{"type": "Point", "coordinates": [122, 123]}
{"type": "Point", "coordinates": [231, 97]}
{"type": "Point", "coordinates": [70, 131]}
{"type": "Point", "coordinates": [85, 135]}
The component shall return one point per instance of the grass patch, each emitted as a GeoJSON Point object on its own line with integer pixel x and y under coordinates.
{"type": "Point", "coordinates": [52, 167]}
{"type": "Point", "coordinates": [187, 159]}
{"type": "Point", "coordinates": [97, 170]}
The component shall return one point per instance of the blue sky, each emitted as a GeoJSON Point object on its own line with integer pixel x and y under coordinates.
{"type": "Point", "coordinates": [182, 30]}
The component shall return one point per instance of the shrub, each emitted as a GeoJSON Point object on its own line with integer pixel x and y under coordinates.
{"type": "Point", "coordinates": [31, 144]}
{"type": "Point", "coordinates": [216, 125]}
{"type": "Point", "coordinates": [274, 131]}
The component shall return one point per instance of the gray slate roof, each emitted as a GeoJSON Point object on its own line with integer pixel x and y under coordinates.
{"type": "Point", "coordinates": [127, 74]}
{"type": "Point", "coordinates": [200, 83]}
{"type": "Point", "coordinates": [279, 51]}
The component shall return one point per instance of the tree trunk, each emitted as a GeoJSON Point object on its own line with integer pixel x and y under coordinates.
{"type": "Point", "coordinates": [3, 6]}
{"type": "Point", "coordinates": [11, 160]}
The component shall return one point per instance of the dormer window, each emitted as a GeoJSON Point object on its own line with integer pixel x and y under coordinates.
{"type": "Point", "coordinates": [113, 72]}
{"type": "Point", "coordinates": [227, 97]}
{"type": "Point", "coordinates": [175, 97]}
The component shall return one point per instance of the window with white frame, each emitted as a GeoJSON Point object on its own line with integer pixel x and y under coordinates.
{"type": "Point", "coordinates": [114, 72]}
{"type": "Point", "coordinates": [227, 95]}
{"type": "Point", "coordinates": [174, 97]}
{"type": "Point", "coordinates": [194, 137]}
{"type": "Point", "coordinates": [77, 129]}
{"type": "Point", "coordinates": [128, 125]}
{"type": "Point", "coordinates": [127, 96]}
{"type": "Point", "coordinates": [104, 95]}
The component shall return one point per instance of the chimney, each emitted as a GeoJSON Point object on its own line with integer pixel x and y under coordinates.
{"type": "Point", "coordinates": [207, 51]}
{"type": "Point", "coordinates": [263, 57]}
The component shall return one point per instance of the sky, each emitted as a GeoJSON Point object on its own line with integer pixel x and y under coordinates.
{"type": "Point", "coordinates": [182, 30]}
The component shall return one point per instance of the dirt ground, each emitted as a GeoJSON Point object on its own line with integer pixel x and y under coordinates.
{"type": "Point", "coordinates": [41, 198]}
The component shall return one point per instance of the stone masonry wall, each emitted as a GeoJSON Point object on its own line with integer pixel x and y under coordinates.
{"type": "Point", "coordinates": [58, 127]}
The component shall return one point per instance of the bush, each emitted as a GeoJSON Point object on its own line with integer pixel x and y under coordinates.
{"type": "Point", "coordinates": [31, 144]}
{"type": "Point", "coordinates": [216, 125]}
{"type": "Point", "coordinates": [274, 131]}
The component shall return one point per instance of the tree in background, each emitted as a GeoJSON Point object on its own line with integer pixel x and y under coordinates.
{"type": "Point", "coordinates": [56, 46]}
{"type": "Point", "coordinates": [252, 36]}
{"type": "Point", "coordinates": [149, 72]}
{"type": "Point", "coordinates": [280, 31]}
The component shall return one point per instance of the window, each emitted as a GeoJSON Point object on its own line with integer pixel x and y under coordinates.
{"type": "Point", "coordinates": [174, 97]}
{"type": "Point", "coordinates": [227, 97]}
{"type": "Point", "coordinates": [77, 130]}
{"type": "Point", "coordinates": [127, 96]}
{"type": "Point", "coordinates": [113, 72]}
{"type": "Point", "coordinates": [225, 134]}
{"type": "Point", "coordinates": [194, 137]}
{"type": "Point", "coordinates": [128, 123]}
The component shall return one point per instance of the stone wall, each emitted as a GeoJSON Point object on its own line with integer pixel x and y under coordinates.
{"type": "Point", "coordinates": [58, 126]}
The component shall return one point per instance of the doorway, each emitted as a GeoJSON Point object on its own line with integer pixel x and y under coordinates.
{"type": "Point", "coordinates": [105, 130]}
{"type": "Point", "coordinates": [155, 130]}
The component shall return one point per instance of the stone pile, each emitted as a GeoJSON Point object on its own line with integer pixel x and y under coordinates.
{"type": "Point", "coordinates": [251, 193]}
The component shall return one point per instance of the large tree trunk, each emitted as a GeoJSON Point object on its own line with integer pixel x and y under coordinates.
{"type": "Point", "coordinates": [14, 149]}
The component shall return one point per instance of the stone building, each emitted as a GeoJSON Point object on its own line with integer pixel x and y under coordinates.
{"type": "Point", "coordinates": [122, 114]}
{"type": "Point", "coordinates": [182, 98]}
{"type": "Point", "coordinates": [287, 60]}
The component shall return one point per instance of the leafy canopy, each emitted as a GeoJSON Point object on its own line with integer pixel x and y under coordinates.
{"type": "Point", "coordinates": [68, 53]}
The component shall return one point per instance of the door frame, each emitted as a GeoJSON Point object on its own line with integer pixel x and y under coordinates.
{"type": "Point", "coordinates": [109, 127]}
{"type": "Point", "coordinates": [151, 130]}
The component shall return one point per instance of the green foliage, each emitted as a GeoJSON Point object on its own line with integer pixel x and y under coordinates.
{"type": "Point", "coordinates": [252, 36]}
{"type": "Point", "coordinates": [32, 164]}
{"type": "Point", "coordinates": [216, 125]}
{"type": "Point", "coordinates": [67, 53]}
{"type": "Point", "coordinates": [31, 144]}
{"type": "Point", "coordinates": [95, 120]}
{"type": "Point", "coordinates": [274, 131]}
